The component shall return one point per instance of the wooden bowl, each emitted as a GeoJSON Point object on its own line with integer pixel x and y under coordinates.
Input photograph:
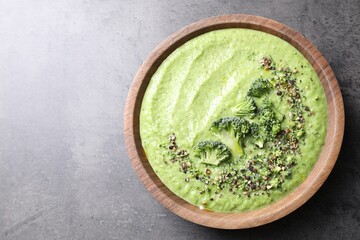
{"type": "Point", "coordinates": [271, 212]}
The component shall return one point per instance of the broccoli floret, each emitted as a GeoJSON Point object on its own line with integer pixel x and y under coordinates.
{"type": "Point", "coordinates": [258, 88]}
{"type": "Point", "coordinates": [246, 107]}
{"type": "Point", "coordinates": [275, 129]}
{"type": "Point", "coordinates": [268, 104]}
{"type": "Point", "coordinates": [231, 131]}
{"type": "Point", "coordinates": [267, 115]}
{"type": "Point", "coordinates": [258, 135]}
{"type": "Point", "coordinates": [269, 121]}
{"type": "Point", "coordinates": [212, 152]}
{"type": "Point", "coordinates": [266, 128]}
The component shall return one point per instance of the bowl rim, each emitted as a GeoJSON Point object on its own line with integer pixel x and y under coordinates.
{"type": "Point", "coordinates": [269, 213]}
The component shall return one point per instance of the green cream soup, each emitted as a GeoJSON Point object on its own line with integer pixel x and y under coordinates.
{"type": "Point", "coordinates": [207, 83]}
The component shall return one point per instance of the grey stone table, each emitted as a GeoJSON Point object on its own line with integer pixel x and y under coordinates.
{"type": "Point", "coordinates": [65, 69]}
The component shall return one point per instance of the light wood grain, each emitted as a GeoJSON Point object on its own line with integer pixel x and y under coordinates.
{"type": "Point", "coordinates": [278, 209]}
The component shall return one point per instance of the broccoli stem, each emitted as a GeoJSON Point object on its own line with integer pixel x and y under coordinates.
{"type": "Point", "coordinates": [232, 142]}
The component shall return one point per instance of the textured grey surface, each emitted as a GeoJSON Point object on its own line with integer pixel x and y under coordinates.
{"type": "Point", "coordinates": [65, 69]}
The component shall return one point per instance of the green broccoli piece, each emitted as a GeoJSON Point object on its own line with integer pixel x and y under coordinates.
{"type": "Point", "coordinates": [231, 131]}
{"type": "Point", "coordinates": [258, 135]}
{"type": "Point", "coordinates": [268, 104]}
{"type": "Point", "coordinates": [258, 88]}
{"type": "Point", "coordinates": [247, 107]}
{"type": "Point", "coordinates": [269, 121]}
{"type": "Point", "coordinates": [267, 115]}
{"type": "Point", "coordinates": [275, 129]}
{"type": "Point", "coordinates": [212, 152]}
{"type": "Point", "coordinates": [266, 128]}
